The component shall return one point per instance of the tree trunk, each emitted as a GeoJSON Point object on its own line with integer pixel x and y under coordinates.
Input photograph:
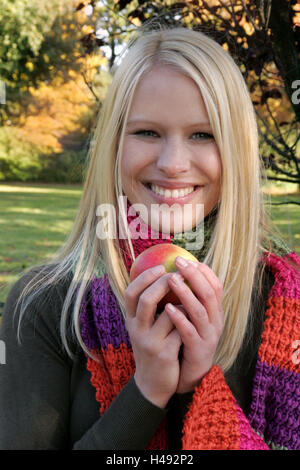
{"type": "Point", "coordinates": [286, 54]}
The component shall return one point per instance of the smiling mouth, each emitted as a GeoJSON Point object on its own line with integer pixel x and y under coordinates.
{"type": "Point", "coordinates": [171, 193]}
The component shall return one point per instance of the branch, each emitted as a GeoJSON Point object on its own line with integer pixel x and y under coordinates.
{"type": "Point", "coordinates": [249, 16]}
{"type": "Point", "coordinates": [90, 87]}
{"type": "Point", "coordinates": [271, 143]}
{"type": "Point", "coordinates": [269, 6]}
{"type": "Point", "coordinates": [273, 178]}
{"type": "Point", "coordinates": [265, 16]}
{"type": "Point", "coordinates": [284, 47]}
{"type": "Point", "coordinates": [280, 170]}
{"type": "Point", "coordinates": [279, 137]}
{"type": "Point", "coordinates": [120, 15]}
{"type": "Point", "coordinates": [231, 13]}
{"type": "Point", "coordinates": [208, 9]}
{"type": "Point", "coordinates": [288, 155]}
{"type": "Point", "coordinates": [282, 203]}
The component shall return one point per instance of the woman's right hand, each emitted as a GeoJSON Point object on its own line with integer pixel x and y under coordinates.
{"type": "Point", "coordinates": [155, 342]}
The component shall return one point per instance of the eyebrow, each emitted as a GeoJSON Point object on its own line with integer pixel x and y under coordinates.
{"type": "Point", "coordinates": [153, 123]}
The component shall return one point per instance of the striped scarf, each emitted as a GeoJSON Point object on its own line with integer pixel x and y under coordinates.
{"type": "Point", "coordinates": [214, 420]}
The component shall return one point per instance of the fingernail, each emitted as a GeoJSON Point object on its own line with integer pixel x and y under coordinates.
{"type": "Point", "coordinates": [194, 263]}
{"type": "Point", "coordinates": [158, 269]}
{"type": "Point", "coordinates": [181, 262]}
{"type": "Point", "coordinates": [177, 278]}
{"type": "Point", "coordinates": [171, 308]}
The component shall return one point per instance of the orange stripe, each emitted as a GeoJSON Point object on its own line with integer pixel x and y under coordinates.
{"type": "Point", "coordinates": [110, 376]}
{"type": "Point", "coordinates": [212, 422]}
{"type": "Point", "coordinates": [281, 330]}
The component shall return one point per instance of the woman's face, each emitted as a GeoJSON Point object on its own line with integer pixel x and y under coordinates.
{"type": "Point", "coordinates": [169, 155]}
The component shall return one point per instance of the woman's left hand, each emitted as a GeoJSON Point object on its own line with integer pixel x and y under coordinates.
{"type": "Point", "coordinates": [199, 322]}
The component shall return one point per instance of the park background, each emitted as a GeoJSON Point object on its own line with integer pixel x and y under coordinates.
{"type": "Point", "coordinates": [56, 62]}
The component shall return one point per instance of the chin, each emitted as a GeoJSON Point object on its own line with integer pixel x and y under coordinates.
{"type": "Point", "coordinates": [171, 228]}
{"type": "Point", "coordinates": [176, 222]}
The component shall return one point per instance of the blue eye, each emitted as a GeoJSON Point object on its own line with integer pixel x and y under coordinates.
{"type": "Point", "coordinates": [195, 136]}
{"type": "Point", "coordinates": [202, 136]}
{"type": "Point", "coordinates": [146, 133]}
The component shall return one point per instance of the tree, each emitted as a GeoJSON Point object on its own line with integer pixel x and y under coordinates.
{"type": "Point", "coordinates": [38, 39]}
{"type": "Point", "coordinates": [264, 38]}
{"type": "Point", "coordinates": [49, 111]}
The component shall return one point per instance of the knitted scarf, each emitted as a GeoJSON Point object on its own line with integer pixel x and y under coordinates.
{"type": "Point", "coordinates": [214, 420]}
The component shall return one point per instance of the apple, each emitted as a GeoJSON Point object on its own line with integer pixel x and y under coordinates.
{"type": "Point", "coordinates": [165, 254]}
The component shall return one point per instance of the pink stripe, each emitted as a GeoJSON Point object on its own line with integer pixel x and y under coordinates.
{"type": "Point", "coordinates": [249, 440]}
{"type": "Point", "coordinates": [287, 277]}
{"type": "Point", "coordinates": [288, 291]}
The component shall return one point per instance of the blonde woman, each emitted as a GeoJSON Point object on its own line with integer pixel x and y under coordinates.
{"type": "Point", "coordinates": [92, 363]}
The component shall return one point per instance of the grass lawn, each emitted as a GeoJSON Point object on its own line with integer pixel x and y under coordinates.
{"type": "Point", "coordinates": [34, 222]}
{"type": "Point", "coordinates": [35, 219]}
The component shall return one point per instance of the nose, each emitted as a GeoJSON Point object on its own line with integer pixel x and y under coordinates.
{"type": "Point", "coordinates": [173, 159]}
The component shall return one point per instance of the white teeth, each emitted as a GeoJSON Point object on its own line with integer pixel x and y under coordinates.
{"type": "Point", "coordinates": [175, 193]}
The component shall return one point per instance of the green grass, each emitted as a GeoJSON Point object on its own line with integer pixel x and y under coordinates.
{"type": "Point", "coordinates": [287, 218]}
{"type": "Point", "coordinates": [35, 220]}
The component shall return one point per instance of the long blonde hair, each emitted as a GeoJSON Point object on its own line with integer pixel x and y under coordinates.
{"type": "Point", "coordinates": [242, 227]}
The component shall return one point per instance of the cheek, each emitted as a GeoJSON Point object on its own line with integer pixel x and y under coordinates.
{"type": "Point", "coordinates": [128, 161]}
{"type": "Point", "coordinates": [135, 157]}
{"type": "Point", "coordinates": [217, 171]}
{"type": "Point", "coordinates": [216, 164]}
{"type": "Point", "coordinates": [211, 164]}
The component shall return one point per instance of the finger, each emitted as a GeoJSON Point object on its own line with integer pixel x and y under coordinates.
{"type": "Point", "coordinates": [174, 342]}
{"type": "Point", "coordinates": [148, 300]}
{"type": "Point", "coordinates": [214, 281]}
{"type": "Point", "coordinates": [191, 304]}
{"type": "Point", "coordinates": [162, 326]}
{"type": "Point", "coordinates": [188, 333]}
{"type": "Point", "coordinates": [216, 284]}
{"type": "Point", "coordinates": [202, 289]}
{"type": "Point", "coordinates": [138, 285]}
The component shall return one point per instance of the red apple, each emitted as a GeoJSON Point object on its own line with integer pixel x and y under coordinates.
{"type": "Point", "coordinates": [165, 254]}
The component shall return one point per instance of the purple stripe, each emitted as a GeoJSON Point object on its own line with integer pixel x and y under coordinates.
{"type": "Point", "coordinates": [275, 409]}
{"type": "Point", "coordinates": [107, 317]}
{"type": "Point", "coordinates": [87, 325]}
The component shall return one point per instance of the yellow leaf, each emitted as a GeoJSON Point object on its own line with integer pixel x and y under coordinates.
{"type": "Point", "coordinates": [29, 66]}
{"type": "Point", "coordinates": [248, 27]}
{"type": "Point", "coordinates": [136, 21]}
{"type": "Point", "coordinates": [87, 29]}
{"type": "Point", "coordinates": [46, 58]}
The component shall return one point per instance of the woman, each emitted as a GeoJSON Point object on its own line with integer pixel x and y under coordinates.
{"type": "Point", "coordinates": [95, 366]}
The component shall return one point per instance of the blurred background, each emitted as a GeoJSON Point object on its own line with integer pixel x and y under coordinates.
{"type": "Point", "coordinates": [56, 60]}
